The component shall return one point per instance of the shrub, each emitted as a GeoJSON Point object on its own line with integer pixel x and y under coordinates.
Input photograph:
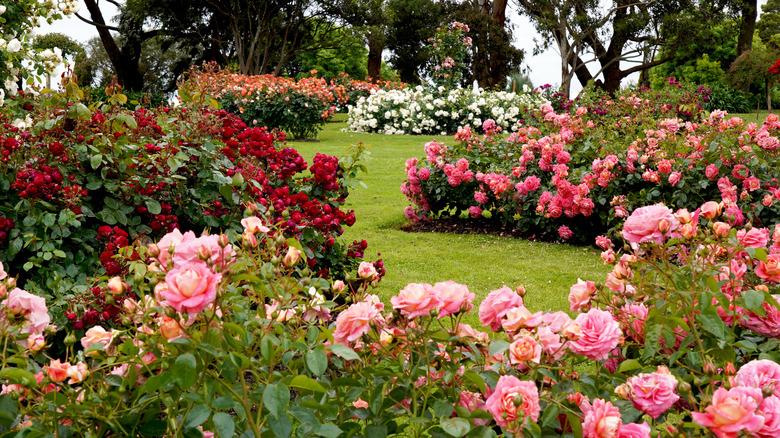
{"type": "Point", "coordinates": [440, 111]}
{"type": "Point", "coordinates": [576, 176]}
{"type": "Point", "coordinates": [682, 330]}
{"type": "Point", "coordinates": [82, 186]}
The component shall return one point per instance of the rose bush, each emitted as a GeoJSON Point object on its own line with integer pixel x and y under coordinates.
{"type": "Point", "coordinates": [678, 341]}
{"type": "Point", "coordinates": [438, 111]}
{"type": "Point", "coordinates": [299, 108]}
{"type": "Point", "coordinates": [574, 176]}
{"type": "Point", "coordinates": [81, 185]}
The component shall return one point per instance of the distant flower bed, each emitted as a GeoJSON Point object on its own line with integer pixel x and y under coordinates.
{"type": "Point", "coordinates": [573, 176]}
{"type": "Point", "coordinates": [299, 108]}
{"type": "Point", "coordinates": [423, 111]}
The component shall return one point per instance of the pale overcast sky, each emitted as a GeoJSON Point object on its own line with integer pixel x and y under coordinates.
{"type": "Point", "coordinates": [544, 68]}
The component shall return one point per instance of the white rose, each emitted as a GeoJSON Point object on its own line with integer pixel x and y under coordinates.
{"type": "Point", "coordinates": [14, 46]}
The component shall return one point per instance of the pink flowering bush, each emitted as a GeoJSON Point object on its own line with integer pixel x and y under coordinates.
{"type": "Point", "coordinates": [227, 334]}
{"type": "Point", "coordinates": [575, 175]}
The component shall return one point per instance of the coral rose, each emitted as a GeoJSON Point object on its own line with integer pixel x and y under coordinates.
{"type": "Point", "coordinates": [525, 349]}
{"type": "Point", "coordinates": [602, 420]}
{"type": "Point", "coordinates": [417, 299]}
{"type": "Point", "coordinates": [190, 287]}
{"type": "Point", "coordinates": [254, 224]}
{"type": "Point", "coordinates": [501, 403]}
{"type": "Point", "coordinates": [600, 334]}
{"type": "Point", "coordinates": [496, 305]}
{"type": "Point", "coordinates": [769, 270]}
{"type": "Point", "coordinates": [355, 322]}
{"type": "Point", "coordinates": [650, 224]}
{"type": "Point", "coordinates": [454, 298]}
{"type": "Point", "coordinates": [57, 371]}
{"type": "Point", "coordinates": [97, 334]}
{"type": "Point", "coordinates": [580, 293]}
{"type": "Point", "coordinates": [732, 412]}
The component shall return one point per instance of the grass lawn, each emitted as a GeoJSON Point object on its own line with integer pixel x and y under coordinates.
{"type": "Point", "coordinates": [482, 262]}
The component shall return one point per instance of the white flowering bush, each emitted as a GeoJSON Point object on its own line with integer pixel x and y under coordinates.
{"type": "Point", "coordinates": [438, 111]}
{"type": "Point", "coordinates": [18, 21]}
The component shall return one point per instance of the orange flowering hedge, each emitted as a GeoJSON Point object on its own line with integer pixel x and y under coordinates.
{"type": "Point", "coordinates": [299, 108]}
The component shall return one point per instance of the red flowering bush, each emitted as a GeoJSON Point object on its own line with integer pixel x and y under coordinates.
{"type": "Point", "coordinates": [574, 177]}
{"type": "Point", "coordinates": [83, 187]}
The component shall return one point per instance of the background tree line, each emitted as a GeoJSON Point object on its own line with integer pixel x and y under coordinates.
{"type": "Point", "coordinates": [153, 42]}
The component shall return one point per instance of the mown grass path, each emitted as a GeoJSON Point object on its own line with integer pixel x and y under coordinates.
{"type": "Point", "coordinates": [483, 262]}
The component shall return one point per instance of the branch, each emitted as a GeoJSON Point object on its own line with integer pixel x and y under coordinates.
{"type": "Point", "coordinates": [646, 65]}
{"type": "Point", "coordinates": [115, 3]}
{"type": "Point", "coordinates": [104, 26]}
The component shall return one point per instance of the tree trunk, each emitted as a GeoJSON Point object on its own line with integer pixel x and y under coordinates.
{"type": "Point", "coordinates": [376, 46]}
{"type": "Point", "coordinates": [499, 12]}
{"type": "Point", "coordinates": [749, 12]}
{"type": "Point", "coordinates": [125, 64]}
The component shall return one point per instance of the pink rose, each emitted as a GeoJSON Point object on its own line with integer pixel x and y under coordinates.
{"type": "Point", "coordinates": [634, 430]}
{"type": "Point", "coordinates": [565, 232]}
{"type": "Point", "coordinates": [525, 349]}
{"type": "Point", "coordinates": [650, 224]}
{"type": "Point", "coordinates": [602, 420]}
{"type": "Point", "coordinates": [191, 248]}
{"type": "Point", "coordinates": [355, 322]}
{"type": "Point", "coordinates": [711, 171]}
{"type": "Point", "coordinates": [753, 238]}
{"type": "Point", "coordinates": [360, 403]}
{"type": "Point", "coordinates": [31, 307]}
{"type": "Point", "coordinates": [292, 256]}
{"type": "Point", "coordinates": [653, 393]}
{"type": "Point", "coordinates": [495, 306]}
{"type": "Point", "coordinates": [416, 299]}
{"type": "Point", "coordinates": [600, 334]}
{"type": "Point", "coordinates": [760, 374]}
{"type": "Point", "coordinates": [732, 412]}
{"type": "Point", "coordinates": [77, 373]}
{"type": "Point", "coordinates": [96, 334]}
{"type": "Point", "coordinates": [674, 178]}
{"type": "Point", "coordinates": [501, 403]}
{"type": "Point", "coordinates": [472, 401]}
{"type": "Point", "coordinates": [3, 274]}
{"type": "Point", "coordinates": [168, 243]}
{"type": "Point", "coordinates": [551, 342]}
{"type": "Point", "coordinates": [770, 409]}
{"type": "Point", "coordinates": [254, 224]}
{"type": "Point", "coordinates": [517, 317]}
{"type": "Point", "coordinates": [767, 324]}
{"type": "Point", "coordinates": [190, 287]}
{"type": "Point", "coordinates": [580, 293]}
{"type": "Point", "coordinates": [367, 271]}
{"type": "Point", "coordinates": [454, 297]}
{"type": "Point", "coordinates": [424, 173]}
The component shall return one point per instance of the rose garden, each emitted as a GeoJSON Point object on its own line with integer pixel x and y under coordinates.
{"type": "Point", "coordinates": [201, 268]}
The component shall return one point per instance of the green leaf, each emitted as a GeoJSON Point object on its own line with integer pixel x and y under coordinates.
{"type": "Point", "coordinates": [197, 415]}
{"type": "Point", "coordinates": [343, 352]}
{"type": "Point", "coordinates": [276, 397]}
{"type": "Point", "coordinates": [153, 428]}
{"type": "Point", "coordinates": [282, 426]}
{"type": "Point", "coordinates": [184, 370]}
{"type": "Point", "coordinates": [498, 347]}
{"type": "Point", "coordinates": [18, 376]}
{"type": "Point", "coordinates": [575, 424]}
{"type": "Point", "coordinates": [317, 361]}
{"type": "Point", "coordinates": [223, 425]}
{"type": "Point", "coordinates": [753, 299]}
{"type": "Point", "coordinates": [712, 322]}
{"type": "Point", "coordinates": [96, 160]}
{"type": "Point", "coordinates": [8, 411]}
{"type": "Point", "coordinates": [375, 431]}
{"type": "Point", "coordinates": [329, 431]}
{"type": "Point", "coordinates": [628, 365]}
{"type": "Point", "coordinates": [49, 219]}
{"type": "Point", "coordinates": [304, 382]}
{"type": "Point", "coordinates": [456, 427]}
{"type": "Point", "coordinates": [153, 206]}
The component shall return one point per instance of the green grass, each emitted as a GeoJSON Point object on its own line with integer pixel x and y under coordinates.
{"type": "Point", "coordinates": [482, 262]}
{"type": "Point", "coordinates": [754, 117]}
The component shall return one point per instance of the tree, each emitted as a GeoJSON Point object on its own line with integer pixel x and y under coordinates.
{"type": "Point", "coordinates": [413, 22]}
{"type": "Point", "coordinates": [750, 70]}
{"type": "Point", "coordinates": [493, 56]}
{"type": "Point", "coordinates": [371, 19]}
{"type": "Point", "coordinates": [748, 12]}
{"type": "Point", "coordinates": [768, 26]}
{"type": "Point", "coordinates": [628, 31]}
{"type": "Point", "coordinates": [349, 58]}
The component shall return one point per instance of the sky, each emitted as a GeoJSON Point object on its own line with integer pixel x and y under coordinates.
{"type": "Point", "coordinates": [544, 68]}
